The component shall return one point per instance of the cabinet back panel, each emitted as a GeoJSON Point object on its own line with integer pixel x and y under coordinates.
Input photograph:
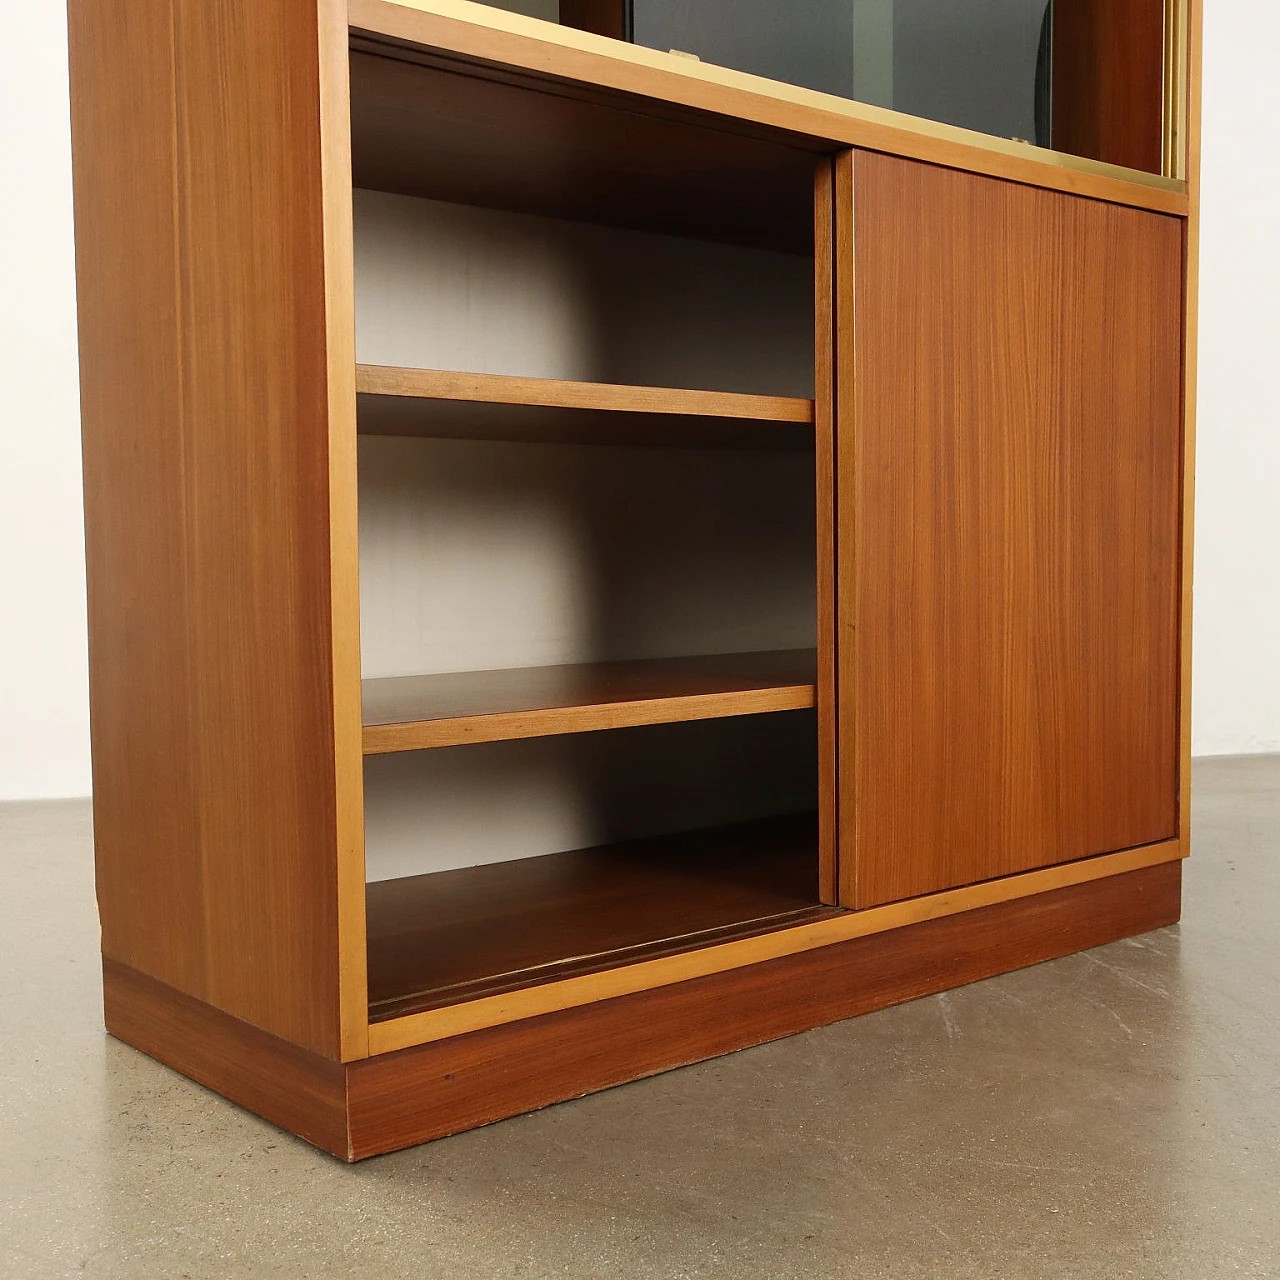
{"type": "Point", "coordinates": [494, 802]}
{"type": "Point", "coordinates": [479, 555]}
{"type": "Point", "coordinates": [447, 286]}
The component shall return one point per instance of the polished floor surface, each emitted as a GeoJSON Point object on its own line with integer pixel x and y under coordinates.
{"type": "Point", "coordinates": [1111, 1114]}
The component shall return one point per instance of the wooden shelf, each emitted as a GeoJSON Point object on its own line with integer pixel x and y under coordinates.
{"type": "Point", "coordinates": [409, 713]}
{"type": "Point", "coordinates": [491, 406]}
{"type": "Point", "coordinates": [457, 935]}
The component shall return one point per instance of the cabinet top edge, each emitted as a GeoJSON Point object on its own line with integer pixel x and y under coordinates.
{"type": "Point", "coordinates": [481, 34]}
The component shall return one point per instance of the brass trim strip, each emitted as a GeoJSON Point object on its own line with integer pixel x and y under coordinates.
{"type": "Point", "coordinates": [1175, 90]}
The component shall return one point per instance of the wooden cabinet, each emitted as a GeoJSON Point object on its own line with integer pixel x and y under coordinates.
{"type": "Point", "coordinates": [596, 561]}
{"type": "Point", "coordinates": [1009, 528]}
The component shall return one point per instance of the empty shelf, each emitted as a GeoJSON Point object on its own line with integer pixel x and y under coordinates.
{"type": "Point", "coordinates": [455, 935]}
{"type": "Point", "coordinates": [409, 713]}
{"type": "Point", "coordinates": [490, 406]}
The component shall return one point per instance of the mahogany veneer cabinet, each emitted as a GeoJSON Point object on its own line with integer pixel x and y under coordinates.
{"type": "Point", "coordinates": [984, 700]}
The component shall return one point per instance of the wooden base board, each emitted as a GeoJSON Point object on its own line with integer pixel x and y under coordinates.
{"type": "Point", "coordinates": [288, 1085]}
{"type": "Point", "coordinates": [398, 1099]}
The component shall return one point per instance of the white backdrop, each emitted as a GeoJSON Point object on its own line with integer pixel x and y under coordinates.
{"type": "Point", "coordinates": [43, 706]}
{"type": "Point", "coordinates": [44, 734]}
{"type": "Point", "coordinates": [1236, 702]}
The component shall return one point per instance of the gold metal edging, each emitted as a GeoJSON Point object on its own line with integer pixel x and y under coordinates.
{"type": "Point", "coordinates": [1175, 90]}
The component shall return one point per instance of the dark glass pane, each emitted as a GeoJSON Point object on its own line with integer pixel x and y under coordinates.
{"type": "Point", "coordinates": [981, 64]}
{"type": "Point", "coordinates": [808, 43]}
{"type": "Point", "coordinates": [972, 63]}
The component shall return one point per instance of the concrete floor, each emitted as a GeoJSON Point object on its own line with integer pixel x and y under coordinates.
{"type": "Point", "coordinates": [1111, 1114]}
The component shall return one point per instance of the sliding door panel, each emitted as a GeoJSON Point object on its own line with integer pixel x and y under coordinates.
{"type": "Point", "coordinates": [1008, 528]}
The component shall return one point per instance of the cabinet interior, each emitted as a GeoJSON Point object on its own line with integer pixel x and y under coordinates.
{"type": "Point", "coordinates": [587, 534]}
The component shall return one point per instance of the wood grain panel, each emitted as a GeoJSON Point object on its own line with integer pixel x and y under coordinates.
{"type": "Point", "coordinates": [845, 636]}
{"type": "Point", "coordinates": [824, 929]}
{"type": "Point", "coordinates": [490, 406]}
{"type": "Point", "coordinates": [455, 935]}
{"type": "Point", "coordinates": [1010, 480]}
{"type": "Point", "coordinates": [301, 1091]}
{"type": "Point", "coordinates": [489, 42]}
{"type": "Point", "coordinates": [125, 137]}
{"type": "Point", "coordinates": [1108, 81]}
{"type": "Point", "coordinates": [398, 1099]}
{"type": "Point", "coordinates": [344, 555]}
{"type": "Point", "coordinates": [204, 306]}
{"type": "Point", "coordinates": [409, 713]}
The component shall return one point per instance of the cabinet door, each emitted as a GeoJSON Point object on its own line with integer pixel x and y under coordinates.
{"type": "Point", "coordinates": [1008, 459]}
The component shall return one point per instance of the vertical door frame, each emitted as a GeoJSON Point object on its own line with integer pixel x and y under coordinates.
{"type": "Point", "coordinates": [826, 254]}
{"type": "Point", "coordinates": [840, 340]}
{"type": "Point", "coordinates": [339, 277]}
{"type": "Point", "coordinates": [1189, 43]}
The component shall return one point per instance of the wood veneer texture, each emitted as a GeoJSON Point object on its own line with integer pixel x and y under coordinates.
{"type": "Point", "coordinates": [1009, 528]}
{"type": "Point", "coordinates": [398, 1099]}
{"type": "Point", "coordinates": [216, 384]}
{"type": "Point", "coordinates": [485, 406]}
{"type": "Point", "coordinates": [827, 249]}
{"type": "Point", "coordinates": [1108, 78]}
{"type": "Point", "coordinates": [438, 938]}
{"type": "Point", "coordinates": [505, 142]}
{"type": "Point", "coordinates": [301, 1091]}
{"type": "Point", "coordinates": [408, 713]}
{"type": "Point", "coordinates": [395, 1100]}
{"type": "Point", "coordinates": [204, 356]}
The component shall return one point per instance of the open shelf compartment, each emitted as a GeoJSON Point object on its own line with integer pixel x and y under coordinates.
{"type": "Point", "coordinates": [452, 936]}
{"type": "Point", "coordinates": [460, 129]}
{"type": "Point", "coordinates": [636, 279]}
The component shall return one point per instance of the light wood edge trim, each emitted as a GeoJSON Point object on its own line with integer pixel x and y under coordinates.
{"type": "Point", "coordinates": [552, 393]}
{"type": "Point", "coordinates": [571, 993]}
{"type": "Point", "coordinates": [503, 726]}
{"type": "Point", "coordinates": [1194, 19]}
{"type": "Point", "coordinates": [494, 35]}
{"type": "Point", "coordinates": [344, 571]}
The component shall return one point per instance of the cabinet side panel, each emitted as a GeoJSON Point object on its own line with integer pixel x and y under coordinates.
{"type": "Point", "coordinates": [207, 478]}
{"type": "Point", "coordinates": [1011, 477]}
{"type": "Point", "coordinates": [124, 131]}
